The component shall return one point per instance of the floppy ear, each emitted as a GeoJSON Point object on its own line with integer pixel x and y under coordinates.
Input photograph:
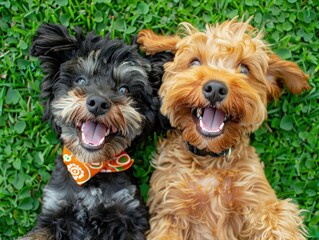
{"type": "Point", "coordinates": [281, 72]}
{"type": "Point", "coordinates": [53, 46]}
{"type": "Point", "coordinates": [152, 43]}
{"type": "Point", "coordinates": [157, 68]}
{"type": "Point", "coordinates": [155, 77]}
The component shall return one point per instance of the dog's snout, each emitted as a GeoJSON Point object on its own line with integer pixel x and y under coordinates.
{"type": "Point", "coordinates": [215, 91]}
{"type": "Point", "coordinates": [97, 105]}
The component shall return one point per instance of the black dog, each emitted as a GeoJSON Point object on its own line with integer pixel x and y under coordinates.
{"type": "Point", "coordinates": [100, 95]}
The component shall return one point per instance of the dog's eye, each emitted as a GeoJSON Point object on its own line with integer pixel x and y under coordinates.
{"type": "Point", "coordinates": [244, 69]}
{"type": "Point", "coordinates": [81, 81]}
{"type": "Point", "coordinates": [123, 90]}
{"type": "Point", "coordinates": [195, 62]}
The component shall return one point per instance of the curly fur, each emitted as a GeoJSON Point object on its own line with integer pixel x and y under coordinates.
{"type": "Point", "coordinates": [228, 70]}
{"type": "Point", "coordinates": [79, 68]}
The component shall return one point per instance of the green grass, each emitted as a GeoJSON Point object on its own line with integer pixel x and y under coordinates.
{"type": "Point", "coordinates": [287, 142]}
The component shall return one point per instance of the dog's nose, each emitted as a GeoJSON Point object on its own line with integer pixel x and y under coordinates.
{"type": "Point", "coordinates": [97, 105]}
{"type": "Point", "coordinates": [215, 91]}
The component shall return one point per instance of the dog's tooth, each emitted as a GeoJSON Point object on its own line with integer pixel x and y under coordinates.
{"type": "Point", "coordinates": [107, 133]}
{"type": "Point", "coordinates": [221, 126]}
{"type": "Point", "coordinates": [201, 124]}
{"type": "Point", "coordinates": [84, 140]}
{"type": "Point", "coordinates": [199, 113]}
{"type": "Point", "coordinates": [101, 141]}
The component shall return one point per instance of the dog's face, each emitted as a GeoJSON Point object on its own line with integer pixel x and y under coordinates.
{"type": "Point", "coordinates": [217, 88]}
{"type": "Point", "coordinates": [98, 92]}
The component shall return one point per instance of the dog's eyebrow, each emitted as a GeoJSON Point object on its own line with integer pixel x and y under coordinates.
{"type": "Point", "coordinates": [128, 69]}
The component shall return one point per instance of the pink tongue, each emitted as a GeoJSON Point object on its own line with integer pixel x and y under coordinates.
{"type": "Point", "coordinates": [93, 133]}
{"type": "Point", "coordinates": [212, 119]}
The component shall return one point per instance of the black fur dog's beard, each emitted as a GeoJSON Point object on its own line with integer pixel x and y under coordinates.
{"type": "Point", "coordinates": [99, 97]}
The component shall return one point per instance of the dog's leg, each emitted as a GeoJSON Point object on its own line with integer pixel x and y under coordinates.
{"type": "Point", "coordinates": [122, 217]}
{"type": "Point", "coordinates": [264, 215]}
{"type": "Point", "coordinates": [277, 219]}
{"type": "Point", "coordinates": [62, 214]}
{"type": "Point", "coordinates": [162, 228]}
{"type": "Point", "coordinates": [67, 223]}
{"type": "Point", "coordinates": [38, 234]}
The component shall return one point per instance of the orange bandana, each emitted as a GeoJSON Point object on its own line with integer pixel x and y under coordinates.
{"type": "Point", "coordinates": [83, 172]}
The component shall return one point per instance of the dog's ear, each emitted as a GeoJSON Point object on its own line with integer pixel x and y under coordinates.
{"type": "Point", "coordinates": [152, 43]}
{"type": "Point", "coordinates": [281, 72]}
{"type": "Point", "coordinates": [155, 77]}
{"type": "Point", "coordinates": [157, 68]}
{"type": "Point", "coordinates": [53, 46]}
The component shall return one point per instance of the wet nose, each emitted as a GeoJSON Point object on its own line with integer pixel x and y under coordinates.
{"type": "Point", "coordinates": [215, 91]}
{"type": "Point", "coordinates": [97, 105]}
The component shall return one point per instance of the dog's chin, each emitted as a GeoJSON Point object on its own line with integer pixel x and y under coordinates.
{"type": "Point", "coordinates": [209, 121]}
{"type": "Point", "coordinates": [93, 136]}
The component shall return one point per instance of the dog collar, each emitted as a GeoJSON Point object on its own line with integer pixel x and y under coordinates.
{"type": "Point", "coordinates": [226, 153]}
{"type": "Point", "coordinates": [83, 172]}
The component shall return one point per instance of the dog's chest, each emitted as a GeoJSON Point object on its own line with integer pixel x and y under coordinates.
{"type": "Point", "coordinates": [87, 197]}
{"type": "Point", "coordinates": [90, 197]}
{"type": "Point", "coordinates": [212, 187]}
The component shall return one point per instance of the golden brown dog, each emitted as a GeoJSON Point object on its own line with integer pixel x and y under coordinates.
{"type": "Point", "coordinates": [209, 182]}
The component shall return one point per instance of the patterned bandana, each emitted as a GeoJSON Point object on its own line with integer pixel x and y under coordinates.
{"type": "Point", "coordinates": [83, 172]}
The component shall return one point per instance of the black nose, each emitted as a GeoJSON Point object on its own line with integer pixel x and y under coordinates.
{"type": "Point", "coordinates": [215, 91]}
{"type": "Point", "coordinates": [97, 105]}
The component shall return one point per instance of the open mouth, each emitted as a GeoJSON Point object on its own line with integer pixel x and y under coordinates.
{"type": "Point", "coordinates": [209, 121]}
{"type": "Point", "coordinates": [93, 135]}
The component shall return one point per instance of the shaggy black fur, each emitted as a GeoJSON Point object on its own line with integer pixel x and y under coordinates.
{"type": "Point", "coordinates": [79, 68]}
